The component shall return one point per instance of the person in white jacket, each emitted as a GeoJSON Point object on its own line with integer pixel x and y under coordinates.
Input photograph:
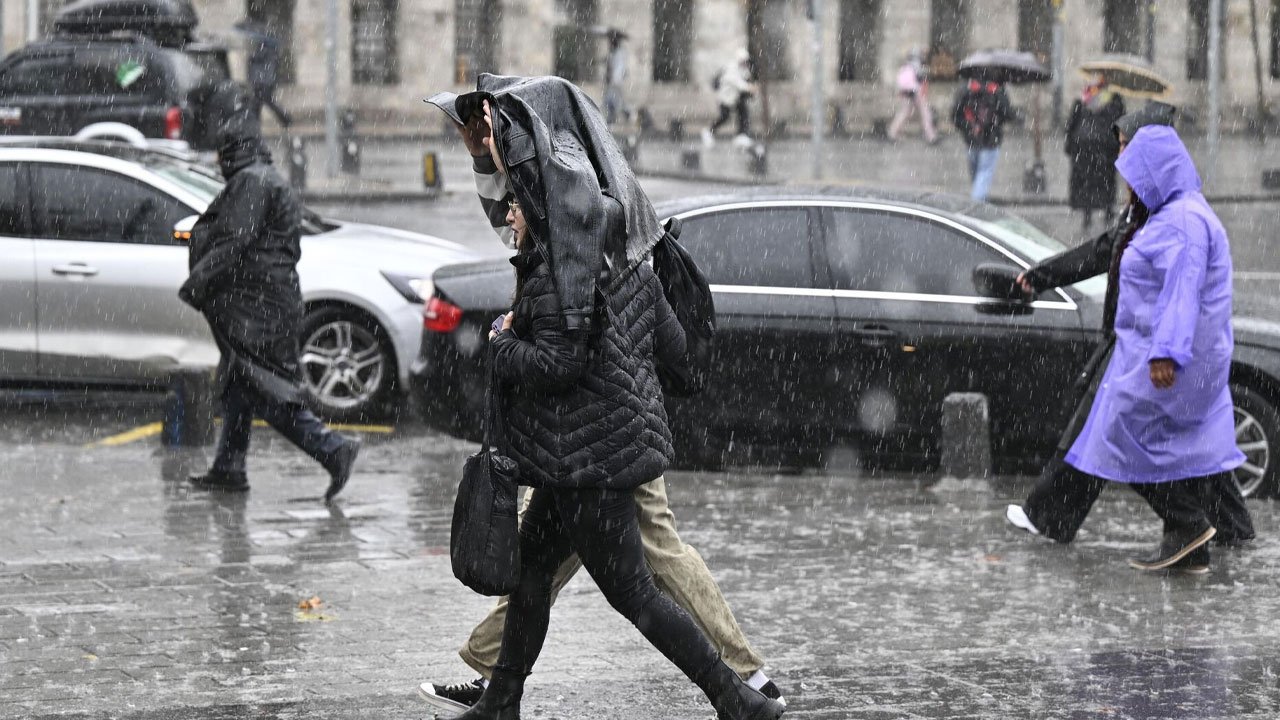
{"type": "Point", "coordinates": [734, 88]}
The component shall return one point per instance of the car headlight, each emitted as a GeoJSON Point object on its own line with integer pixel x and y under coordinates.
{"type": "Point", "coordinates": [414, 289]}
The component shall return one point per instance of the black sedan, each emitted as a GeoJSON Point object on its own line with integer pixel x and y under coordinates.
{"type": "Point", "coordinates": [845, 319]}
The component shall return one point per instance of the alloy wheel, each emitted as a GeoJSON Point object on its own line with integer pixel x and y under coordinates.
{"type": "Point", "coordinates": [343, 364]}
{"type": "Point", "coordinates": [1251, 438]}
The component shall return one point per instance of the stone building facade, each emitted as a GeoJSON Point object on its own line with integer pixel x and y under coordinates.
{"type": "Point", "coordinates": [393, 52]}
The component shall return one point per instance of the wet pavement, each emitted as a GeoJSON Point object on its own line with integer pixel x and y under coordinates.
{"type": "Point", "coordinates": [124, 594]}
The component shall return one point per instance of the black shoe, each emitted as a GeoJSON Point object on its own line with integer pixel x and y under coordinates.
{"type": "Point", "coordinates": [735, 700]}
{"type": "Point", "coordinates": [221, 481]}
{"type": "Point", "coordinates": [343, 460]}
{"type": "Point", "coordinates": [1195, 562]}
{"type": "Point", "coordinates": [1174, 547]}
{"type": "Point", "coordinates": [1234, 542]}
{"type": "Point", "coordinates": [456, 697]}
{"type": "Point", "coordinates": [500, 699]}
{"type": "Point", "coordinates": [771, 691]}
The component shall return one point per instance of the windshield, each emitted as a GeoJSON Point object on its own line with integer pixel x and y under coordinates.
{"type": "Point", "coordinates": [205, 184]}
{"type": "Point", "coordinates": [1028, 241]}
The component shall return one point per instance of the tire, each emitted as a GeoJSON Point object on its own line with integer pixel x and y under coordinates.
{"type": "Point", "coordinates": [348, 366]}
{"type": "Point", "coordinates": [1258, 436]}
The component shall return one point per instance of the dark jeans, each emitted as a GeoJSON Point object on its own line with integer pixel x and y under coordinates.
{"type": "Point", "coordinates": [266, 98]}
{"type": "Point", "coordinates": [743, 112]}
{"type": "Point", "coordinates": [241, 402]}
{"type": "Point", "coordinates": [1063, 496]}
{"type": "Point", "coordinates": [600, 526]}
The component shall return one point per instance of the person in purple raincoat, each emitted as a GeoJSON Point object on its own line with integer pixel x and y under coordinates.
{"type": "Point", "coordinates": [1162, 420]}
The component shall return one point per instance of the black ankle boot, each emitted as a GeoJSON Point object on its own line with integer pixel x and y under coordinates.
{"type": "Point", "coordinates": [735, 700]}
{"type": "Point", "coordinates": [221, 481]}
{"type": "Point", "coordinates": [501, 698]}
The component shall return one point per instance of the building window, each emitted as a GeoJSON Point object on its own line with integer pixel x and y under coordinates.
{"type": "Point", "coordinates": [948, 36]}
{"type": "Point", "coordinates": [1275, 38]}
{"type": "Point", "coordinates": [672, 40]}
{"type": "Point", "coordinates": [767, 38]}
{"type": "Point", "coordinates": [1035, 28]}
{"type": "Point", "coordinates": [575, 44]}
{"type": "Point", "coordinates": [373, 42]}
{"type": "Point", "coordinates": [1128, 26]}
{"type": "Point", "coordinates": [275, 18]}
{"type": "Point", "coordinates": [859, 40]}
{"type": "Point", "coordinates": [1198, 39]}
{"type": "Point", "coordinates": [476, 32]}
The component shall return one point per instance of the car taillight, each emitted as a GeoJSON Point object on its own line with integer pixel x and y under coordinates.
{"type": "Point", "coordinates": [173, 123]}
{"type": "Point", "coordinates": [441, 316]}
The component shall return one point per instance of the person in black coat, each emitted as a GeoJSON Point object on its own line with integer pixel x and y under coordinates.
{"type": "Point", "coordinates": [243, 278]}
{"type": "Point", "coordinates": [1062, 497]}
{"type": "Point", "coordinates": [1092, 149]}
{"type": "Point", "coordinates": [586, 425]}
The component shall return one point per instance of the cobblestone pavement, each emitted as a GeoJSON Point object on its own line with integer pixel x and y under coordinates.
{"type": "Point", "coordinates": [124, 594]}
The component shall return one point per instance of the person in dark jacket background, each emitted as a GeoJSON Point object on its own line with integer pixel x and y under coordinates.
{"type": "Point", "coordinates": [263, 68]}
{"type": "Point", "coordinates": [586, 422]}
{"type": "Point", "coordinates": [981, 109]}
{"type": "Point", "coordinates": [1062, 497]}
{"type": "Point", "coordinates": [243, 278]}
{"type": "Point", "coordinates": [1092, 148]}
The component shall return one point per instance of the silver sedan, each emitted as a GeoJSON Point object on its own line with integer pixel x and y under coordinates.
{"type": "Point", "coordinates": [92, 255]}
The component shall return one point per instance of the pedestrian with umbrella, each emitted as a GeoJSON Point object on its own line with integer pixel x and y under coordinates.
{"type": "Point", "coordinates": [982, 107]}
{"type": "Point", "coordinates": [1092, 149]}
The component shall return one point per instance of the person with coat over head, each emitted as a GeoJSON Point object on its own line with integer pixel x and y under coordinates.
{"type": "Point", "coordinates": [1062, 496]}
{"type": "Point", "coordinates": [1162, 421]}
{"type": "Point", "coordinates": [1092, 149]}
{"type": "Point", "coordinates": [583, 409]}
{"type": "Point", "coordinates": [244, 280]}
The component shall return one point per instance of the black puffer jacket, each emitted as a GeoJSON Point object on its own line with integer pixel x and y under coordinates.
{"type": "Point", "coordinates": [587, 419]}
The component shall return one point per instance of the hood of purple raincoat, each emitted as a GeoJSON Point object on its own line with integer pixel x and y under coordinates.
{"type": "Point", "coordinates": [1157, 166]}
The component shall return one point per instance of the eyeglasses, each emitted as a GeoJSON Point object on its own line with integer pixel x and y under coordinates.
{"type": "Point", "coordinates": [513, 205]}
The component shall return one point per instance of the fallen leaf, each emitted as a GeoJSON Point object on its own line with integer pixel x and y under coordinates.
{"type": "Point", "coordinates": [992, 558]}
{"type": "Point", "coordinates": [89, 656]}
{"type": "Point", "coordinates": [313, 604]}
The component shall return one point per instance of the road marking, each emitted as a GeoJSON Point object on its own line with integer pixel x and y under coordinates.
{"type": "Point", "coordinates": [124, 438]}
{"type": "Point", "coordinates": [142, 432]}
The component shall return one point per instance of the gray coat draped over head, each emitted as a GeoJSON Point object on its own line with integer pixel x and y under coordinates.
{"type": "Point", "coordinates": [566, 169]}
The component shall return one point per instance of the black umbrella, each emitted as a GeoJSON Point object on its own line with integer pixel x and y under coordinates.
{"type": "Point", "coordinates": [1004, 66]}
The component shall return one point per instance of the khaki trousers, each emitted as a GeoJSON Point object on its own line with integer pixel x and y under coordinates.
{"type": "Point", "coordinates": [678, 570]}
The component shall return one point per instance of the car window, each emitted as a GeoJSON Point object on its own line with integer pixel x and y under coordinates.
{"type": "Point", "coordinates": [892, 252]}
{"type": "Point", "coordinates": [111, 72]}
{"type": "Point", "coordinates": [766, 247]}
{"type": "Point", "coordinates": [12, 217]}
{"type": "Point", "coordinates": [77, 203]}
{"type": "Point", "coordinates": [35, 75]}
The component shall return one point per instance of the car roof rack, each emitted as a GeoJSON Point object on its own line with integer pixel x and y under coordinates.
{"type": "Point", "coordinates": [107, 145]}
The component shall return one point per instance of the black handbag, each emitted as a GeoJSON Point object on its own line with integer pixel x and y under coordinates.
{"type": "Point", "coordinates": [484, 541]}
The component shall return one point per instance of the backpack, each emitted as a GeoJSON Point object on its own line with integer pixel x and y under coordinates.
{"type": "Point", "coordinates": [687, 291]}
{"type": "Point", "coordinates": [715, 79]}
{"type": "Point", "coordinates": [980, 111]}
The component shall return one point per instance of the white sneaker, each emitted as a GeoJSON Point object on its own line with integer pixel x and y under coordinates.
{"type": "Point", "coordinates": [708, 138]}
{"type": "Point", "coordinates": [742, 141]}
{"type": "Point", "coordinates": [1017, 517]}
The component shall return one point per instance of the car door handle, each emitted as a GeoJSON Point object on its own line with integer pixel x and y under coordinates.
{"type": "Point", "coordinates": [875, 335]}
{"type": "Point", "coordinates": [77, 269]}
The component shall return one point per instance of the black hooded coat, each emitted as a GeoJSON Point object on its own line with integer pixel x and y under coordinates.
{"type": "Point", "coordinates": [243, 261]}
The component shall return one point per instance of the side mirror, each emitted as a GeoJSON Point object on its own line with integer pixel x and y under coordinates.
{"type": "Point", "coordinates": [998, 282]}
{"type": "Point", "coordinates": [182, 228]}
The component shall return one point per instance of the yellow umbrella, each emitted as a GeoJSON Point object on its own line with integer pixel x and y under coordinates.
{"type": "Point", "coordinates": [1129, 75]}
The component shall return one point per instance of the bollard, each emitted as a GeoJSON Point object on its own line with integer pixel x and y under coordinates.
{"type": "Point", "coordinates": [298, 163]}
{"type": "Point", "coordinates": [349, 143]}
{"type": "Point", "coordinates": [691, 160]}
{"type": "Point", "coordinates": [966, 436]}
{"type": "Point", "coordinates": [839, 126]}
{"type": "Point", "coordinates": [188, 412]}
{"type": "Point", "coordinates": [431, 178]}
{"type": "Point", "coordinates": [759, 160]}
{"type": "Point", "coordinates": [1033, 179]}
